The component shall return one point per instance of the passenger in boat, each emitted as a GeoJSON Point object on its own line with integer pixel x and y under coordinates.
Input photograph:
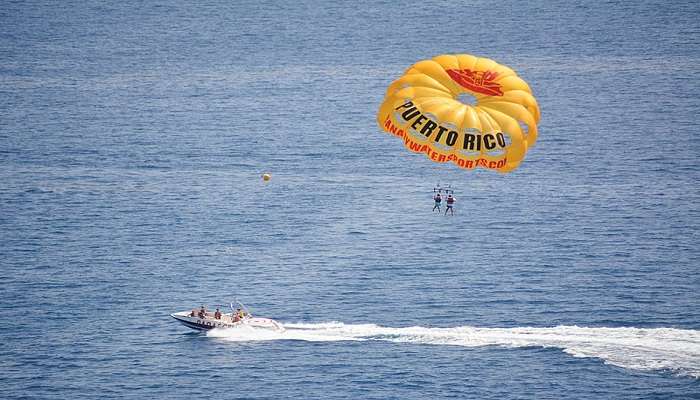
{"type": "Point", "coordinates": [202, 313]}
{"type": "Point", "coordinates": [217, 314]}
{"type": "Point", "coordinates": [236, 315]}
{"type": "Point", "coordinates": [193, 313]}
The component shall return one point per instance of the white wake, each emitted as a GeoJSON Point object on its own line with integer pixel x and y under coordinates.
{"type": "Point", "coordinates": [676, 350]}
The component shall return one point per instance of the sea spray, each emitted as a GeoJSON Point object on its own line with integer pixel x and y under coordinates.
{"type": "Point", "coordinates": [647, 349]}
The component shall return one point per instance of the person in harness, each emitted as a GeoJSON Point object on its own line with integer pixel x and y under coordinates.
{"type": "Point", "coordinates": [438, 201]}
{"type": "Point", "coordinates": [450, 204]}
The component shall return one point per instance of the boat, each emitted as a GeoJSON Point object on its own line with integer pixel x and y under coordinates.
{"type": "Point", "coordinates": [205, 320]}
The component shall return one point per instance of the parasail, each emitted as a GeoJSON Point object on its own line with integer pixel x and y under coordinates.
{"type": "Point", "coordinates": [426, 107]}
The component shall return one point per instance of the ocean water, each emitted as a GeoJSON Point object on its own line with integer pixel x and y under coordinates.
{"type": "Point", "coordinates": [132, 140]}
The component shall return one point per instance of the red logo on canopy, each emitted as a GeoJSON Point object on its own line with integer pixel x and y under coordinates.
{"type": "Point", "coordinates": [477, 81]}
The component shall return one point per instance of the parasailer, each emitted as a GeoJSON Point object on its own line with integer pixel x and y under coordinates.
{"type": "Point", "coordinates": [449, 200]}
{"type": "Point", "coordinates": [424, 108]}
{"type": "Point", "coordinates": [450, 204]}
{"type": "Point", "coordinates": [438, 200]}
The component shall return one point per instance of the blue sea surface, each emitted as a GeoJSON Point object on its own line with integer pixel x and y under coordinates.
{"type": "Point", "coordinates": [133, 136]}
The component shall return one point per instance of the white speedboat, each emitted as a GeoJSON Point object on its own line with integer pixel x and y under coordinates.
{"type": "Point", "coordinates": [204, 320]}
